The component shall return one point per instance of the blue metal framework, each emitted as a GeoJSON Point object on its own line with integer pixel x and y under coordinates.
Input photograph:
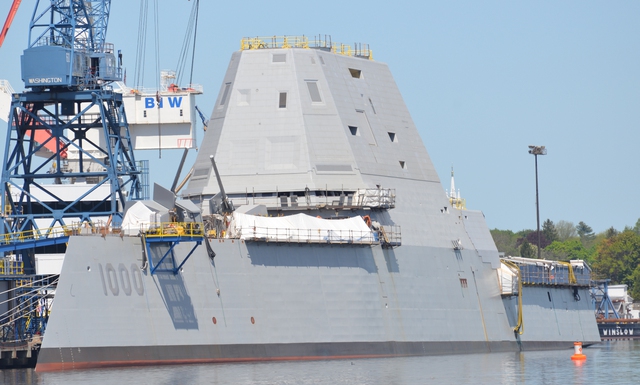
{"type": "Point", "coordinates": [169, 256]}
{"type": "Point", "coordinates": [68, 66]}
{"type": "Point", "coordinates": [170, 234]}
{"type": "Point", "coordinates": [15, 243]}
{"type": "Point", "coordinates": [21, 173]}
{"type": "Point", "coordinates": [30, 308]}
{"type": "Point", "coordinates": [605, 305]}
{"type": "Point", "coordinates": [80, 24]}
{"type": "Point", "coordinates": [143, 167]}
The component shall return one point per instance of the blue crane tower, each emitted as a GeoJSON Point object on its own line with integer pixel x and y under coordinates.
{"type": "Point", "coordinates": [69, 128]}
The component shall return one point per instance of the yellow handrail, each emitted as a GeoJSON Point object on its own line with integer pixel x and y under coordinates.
{"type": "Point", "coordinates": [161, 229]}
{"type": "Point", "coordinates": [27, 235]}
{"type": "Point", "coordinates": [284, 42]}
{"type": "Point", "coordinates": [172, 229]}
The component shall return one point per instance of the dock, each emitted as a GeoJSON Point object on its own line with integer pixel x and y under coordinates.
{"type": "Point", "coordinates": [20, 355]}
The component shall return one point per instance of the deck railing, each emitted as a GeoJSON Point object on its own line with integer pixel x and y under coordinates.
{"type": "Point", "coordinates": [289, 235]}
{"type": "Point", "coordinates": [554, 273]}
{"type": "Point", "coordinates": [357, 50]}
{"type": "Point", "coordinates": [173, 229]}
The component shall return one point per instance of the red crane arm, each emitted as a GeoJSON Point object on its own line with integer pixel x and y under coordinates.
{"type": "Point", "coordinates": [7, 23]}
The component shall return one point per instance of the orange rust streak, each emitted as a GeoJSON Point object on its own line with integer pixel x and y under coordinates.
{"type": "Point", "coordinates": [61, 366]}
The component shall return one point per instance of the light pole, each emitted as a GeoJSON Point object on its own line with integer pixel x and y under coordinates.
{"type": "Point", "coordinates": [535, 151]}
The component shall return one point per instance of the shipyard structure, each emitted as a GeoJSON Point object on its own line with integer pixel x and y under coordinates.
{"type": "Point", "coordinates": [313, 226]}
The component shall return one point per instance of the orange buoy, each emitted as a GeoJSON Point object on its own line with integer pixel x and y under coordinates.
{"type": "Point", "coordinates": [577, 352]}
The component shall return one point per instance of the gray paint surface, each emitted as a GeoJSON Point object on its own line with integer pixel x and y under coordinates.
{"type": "Point", "coordinates": [306, 299]}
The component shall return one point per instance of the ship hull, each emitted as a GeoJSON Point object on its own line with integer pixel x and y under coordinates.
{"type": "Point", "coordinates": [266, 302]}
{"type": "Point", "coordinates": [298, 130]}
{"type": "Point", "coordinates": [100, 357]}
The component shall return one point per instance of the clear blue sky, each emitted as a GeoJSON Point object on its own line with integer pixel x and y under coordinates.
{"type": "Point", "coordinates": [482, 80]}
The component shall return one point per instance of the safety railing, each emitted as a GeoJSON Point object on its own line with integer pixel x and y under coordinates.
{"type": "Point", "coordinates": [173, 229]}
{"type": "Point", "coordinates": [358, 50]}
{"type": "Point", "coordinates": [172, 88]}
{"type": "Point", "coordinates": [374, 198]}
{"type": "Point", "coordinates": [36, 234]}
{"type": "Point", "coordinates": [390, 236]}
{"type": "Point", "coordinates": [9, 267]}
{"type": "Point", "coordinates": [274, 42]}
{"type": "Point", "coordinates": [554, 273]}
{"type": "Point", "coordinates": [288, 235]}
{"type": "Point", "coordinates": [164, 229]}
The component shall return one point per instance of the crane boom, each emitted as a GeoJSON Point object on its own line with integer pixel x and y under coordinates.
{"type": "Point", "coordinates": [7, 23]}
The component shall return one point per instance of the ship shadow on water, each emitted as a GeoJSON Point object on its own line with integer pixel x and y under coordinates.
{"type": "Point", "coordinates": [174, 293]}
{"type": "Point", "coordinates": [330, 256]}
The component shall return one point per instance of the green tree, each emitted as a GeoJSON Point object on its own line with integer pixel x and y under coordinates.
{"type": "Point", "coordinates": [567, 250]}
{"type": "Point", "coordinates": [527, 250]}
{"type": "Point", "coordinates": [618, 258]}
{"type": "Point", "coordinates": [506, 241]}
{"type": "Point", "coordinates": [636, 228]}
{"type": "Point", "coordinates": [549, 231]}
{"type": "Point", "coordinates": [585, 232]}
{"type": "Point", "coordinates": [565, 230]}
{"type": "Point", "coordinates": [611, 232]}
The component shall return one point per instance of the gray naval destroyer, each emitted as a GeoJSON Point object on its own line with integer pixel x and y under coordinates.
{"type": "Point", "coordinates": [327, 234]}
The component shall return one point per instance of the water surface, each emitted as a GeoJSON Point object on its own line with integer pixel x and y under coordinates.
{"type": "Point", "coordinates": [608, 363]}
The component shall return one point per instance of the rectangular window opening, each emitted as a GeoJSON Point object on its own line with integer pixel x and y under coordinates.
{"type": "Point", "coordinates": [463, 283]}
{"type": "Point", "coordinates": [283, 100]}
{"type": "Point", "coordinates": [355, 73]}
{"type": "Point", "coordinates": [354, 130]}
{"type": "Point", "coordinates": [403, 164]}
{"type": "Point", "coordinates": [279, 58]}
{"type": "Point", "coordinates": [225, 94]}
{"type": "Point", "coordinates": [244, 96]}
{"type": "Point", "coordinates": [314, 92]}
{"type": "Point", "coordinates": [392, 136]}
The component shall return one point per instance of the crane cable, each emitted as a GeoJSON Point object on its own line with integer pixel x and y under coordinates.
{"type": "Point", "coordinates": [141, 45]}
{"type": "Point", "coordinates": [192, 30]}
{"type": "Point", "coordinates": [158, 96]}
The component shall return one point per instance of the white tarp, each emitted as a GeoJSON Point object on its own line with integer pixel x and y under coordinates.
{"type": "Point", "coordinates": [300, 228]}
{"type": "Point", "coordinates": [137, 218]}
{"type": "Point", "coordinates": [508, 279]}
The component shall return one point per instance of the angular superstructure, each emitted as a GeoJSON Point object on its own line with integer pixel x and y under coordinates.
{"type": "Point", "coordinates": [290, 119]}
{"type": "Point", "coordinates": [343, 242]}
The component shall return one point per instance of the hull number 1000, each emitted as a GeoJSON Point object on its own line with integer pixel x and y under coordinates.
{"type": "Point", "coordinates": [117, 280]}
